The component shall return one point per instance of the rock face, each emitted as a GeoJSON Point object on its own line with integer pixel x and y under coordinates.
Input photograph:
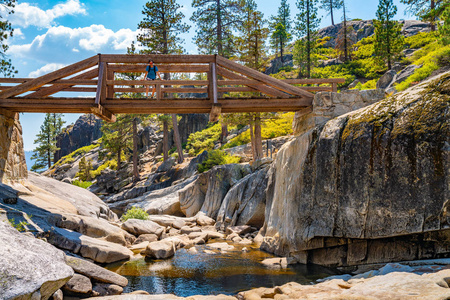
{"type": "Point", "coordinates": [29, 268]}
{"type": "Point", "coordinates": [208, 191]}
{"type": "Point", "coordinates": [190, 123]}
{"type": "Point", "coordinates": [85, 130]}
{"type": "Point", "coordinates": [245, 203]}
{"type": "Point", "coordinates": [13, 166]}
{"type": "Point", "coordinates": [367, 185]}
{"type": "Point", "coordinates": [276, 64]}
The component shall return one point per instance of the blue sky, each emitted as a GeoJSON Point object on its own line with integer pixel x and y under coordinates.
{"type": "Point", "coordinates": [51, 34]}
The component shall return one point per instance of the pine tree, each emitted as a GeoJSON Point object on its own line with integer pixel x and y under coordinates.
{"type": "Point", "coordinates": [345, 39]}
{"type": "Point", "coordinates": [251, 42]}
{"type": "Point", "coordinates": [444, 29]}
{"type": "Point", "coordinates": [307, 24]}
{"type": "Point", "coordinates": [388, 36]}
{"type": "Point", "coordinates": [216, 22]}
{"type": "Point", "coordinates": [329, 6]}
{"type": "Point", "coordinates": [6, 31]}
{"type": "Point", "coordinates": [118, 136]}
{"type": "Point", "coordinates": [161, 26]}
{"type": "Point", "coordinates": [44, 153]}
{"type": "Point", "coordinates": [281, 34]}
{"type": "Point", "coordinates": [427, 10]}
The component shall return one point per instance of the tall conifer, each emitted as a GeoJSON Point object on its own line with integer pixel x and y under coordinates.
{"type": "Point", "coordinates": [329, 6]}
{"type": "Point", "coordinates": [280, 27]}
{"type": "Point", "coordinates": [389, 40]}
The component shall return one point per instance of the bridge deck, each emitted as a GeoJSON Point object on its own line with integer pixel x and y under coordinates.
{"type": "Point", "coordinates": [250, 90]}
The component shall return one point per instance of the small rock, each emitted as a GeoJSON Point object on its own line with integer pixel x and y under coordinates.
{"type": "Point", "coordinates": [160, 249]}
{"type": "Point", "coordinates": [78, 284]}
{"type": "Point", "coordinates": [237, 239]}
{"type": "Point", "coordinates": [104, 289]}
{"type": "Point", "coordinates": [214, 235]}
{"type": "Point", "coordinates": [220, 246]}
{"type": "Point", "coordinates": [139, 247]}
{"type": "Point", "coordinates": [58, 295]}
{"type": "Point", "coordinates": [188, 230]}
{"type": "Point", "coordinates": [178, 224]}
{"type": "Point", "coordinates": [245, 249]}
{"type": "Point", "coordinates": [204, 220]}
{"type": "Point", "coordinates": [245, 242]}
{"type": "Point", "coordinates": [240, 230]}
{"type": "Point", "coordinates": [149, 237]}
{"type": "Point", "coordinates": [192, 250]}
{"type": "Point", "coordinates": [232, 236]}
{"type": "Point", "coordinates": [140, 292]}
{"type": "Point", "coordinates": [194, 235]}
{"type": "Point", "coordinates": [138, 227]}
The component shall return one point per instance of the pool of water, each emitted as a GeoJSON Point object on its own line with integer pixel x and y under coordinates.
{"type": "Point", "coordinates": [211, 272]}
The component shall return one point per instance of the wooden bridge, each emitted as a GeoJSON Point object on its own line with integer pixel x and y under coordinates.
{"type": "Point", "coordinates": [253, 91]}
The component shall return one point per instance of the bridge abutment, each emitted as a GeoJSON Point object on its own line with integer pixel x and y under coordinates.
{"type": "Point", "coordinates": [13, 165]}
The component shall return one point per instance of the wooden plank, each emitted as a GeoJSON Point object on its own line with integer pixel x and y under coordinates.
{"type": "Point", "coordinates": [7, 113]}
{"type": "Point", "coordinates": [153, 82]}
{"type": "Point", "coordinates": [235, 89]}
{"type": "Point", "coordinates": [158, 92]}
{"type": "Point", "coordinates": [101, 86]}
{"type": "Point", "coordinates": [334, 87]}
{"type": "Point", "coordinates": [275, 83]}
{"type": "Point", "coordinates": [109, 76]}
{"type": "Point", "coordinates": [213, 82]}
{"type": "Point", "coordinates": [140, 68]}
{"type": "Point", "coordinates": [103, 113]}
{"type": "Point", "coordinates": [263, 89]}
{"type": "Point", "coordinates": [240, 82]}
{"type": "Point", "coordinates": [215, 112]}
{"type": "Point", "coordinates": [40, 81]}
{"type": "Point", "coordinates": [164, 90]}
{"type": "Point", "coordinates": [14, 80]}
{"type": "Point", "coordinates": [47, 91]}
{"type": "Point", "coordinates": [314, 80]}
{"type": "Point", "coordinates": [157, 58]}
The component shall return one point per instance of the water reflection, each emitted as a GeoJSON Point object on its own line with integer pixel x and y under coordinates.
{"type": "Point", "coordinates": [188, 274]}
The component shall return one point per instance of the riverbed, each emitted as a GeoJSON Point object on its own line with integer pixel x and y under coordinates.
{"type": "Point", "coordinates": [212, 272]}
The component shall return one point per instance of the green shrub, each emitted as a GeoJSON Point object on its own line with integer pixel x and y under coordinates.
{"type": "Point", "coordinates": [82, 184]}
{"type": "Point", "coordinates": [421, 39]}
{"type": "Point", "coordinates": [203, 140]}
{"type": "Point", "coordinates": [369, 85]}
{"type": "Point", "coordinates": [270, 129]}
{"type": "Point", "coordinates": [19, 226]}
{"type": "Point", "coordinates": [215, 158]}
{"type": "Point", "coordinates": [112, 164]}
{"type": "Point", "coordinates": [134, 213]}
{"type": "Point", "coordinates": [69, 158]}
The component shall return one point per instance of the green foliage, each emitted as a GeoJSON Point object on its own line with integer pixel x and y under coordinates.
{"type": "Point", "coordinates": [307, 24]}
{"type": "Point", "coordinates": [270, 128]}
{"type": "Point", "coordinates": [215, 158]}
{"type": "Point", "coordinates": [444, 29]}
{"type": "Point", "coordinates": [330, 5]}
{"type": "Point", "coordinates": [70, 158]}
{"type": "Point", "coordinates": [19, 226]}
{"type": "Point", "coordinates": [280, 26]}
{"type": "Point", "coordinates": [203, 140]}
{"type": "Point", "coordinates": [134, 213]}
{"type": "Point", "coordinates": [85, 168]}
{"type": "Point", "coordinates": [430, 62]}
{"type": "Point", "coordinates": [44, 153]}
{"type": "Point", "coordinates": [161, 27]}
{"type": "Point", "coordinates": [421, 39]}
{"type": "Point", "coordinates": [388, 36]}
{"type": "Point", "coordinates": [118, 136]}
{"type": "Point", "coordinates": [82, 184]}
{"type": "Point", "coordinates": [216, 22]}
{"type": "Point", "coordinates": [6, 31]}
{"type": "Point", "coordinates": [336, 71]}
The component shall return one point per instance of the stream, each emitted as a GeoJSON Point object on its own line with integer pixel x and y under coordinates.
{"type": "Point", "coordinates": [211, 272]}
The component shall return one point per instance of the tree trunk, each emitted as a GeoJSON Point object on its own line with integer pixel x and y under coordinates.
{"type": "Point", "coordinates": [119, 162]}
{"type": "Point", "coordinates": [219, 29]}
{"type": "Point", "coordinates": [165, 139]}
{"type": "Point", "coordinates": [432, 23]}
{"type": "Point", "coordinates": [252, 136]}
{"type": "Point", "coordinates": [135, 152]}
{"type": "Point", "coordinates": [308, 43]}
{"type": "Point", "coordinates": [224, 133]}
{"type": "Point", "coordinates": [176, 137]}
{"type": "Point", "coordinates": [258, 138]}
{"type": "Point", "coordinates": [331, 12]}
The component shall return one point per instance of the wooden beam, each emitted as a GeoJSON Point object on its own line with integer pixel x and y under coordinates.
{"type": "Point", "coordinates": [275, 83]}
{"type": "Point", "coordinates": [157, 58]}
{"type": "Point", "coordinates": [159, 95]}
{"type": "Point", "coordinates": [140, 68]}
{"type": "Point", "coordinates": [164, 90]}
{"type": "Point", "coordinates": [213, 82]}
{"type": "Point", "coordinates": [153, 82]}
{"type": "Point", "coordinates": [215, 112]}
{"type": "Point", "coordinates": [47, 91]}
{"type": "Point", "coordinates": [40, 81]}
{"type": "Point", "coordinates": [103, 113]}
{"type": "Point", "coordinates": [260, 88]}
{"type": "Point", "coordinates": [100, 96]}
{"type": "Point", "coordinates": [314, 80]}
{"type": "Point", "coordinates": [8, 113]}
{"type": "Point", "coordinates": [109, 76]}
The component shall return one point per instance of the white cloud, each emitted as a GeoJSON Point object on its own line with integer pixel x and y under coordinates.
{"type": "Point", "coordinates": [28, 15]}
{"type": "Point", "coordinates": [46, 69]}
{"type": "Point", "coordinates": [65, 45]}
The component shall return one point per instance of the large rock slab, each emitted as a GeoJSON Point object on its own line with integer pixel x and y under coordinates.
{"type": "Point", "coordinates": [376, 173]}
{"type": "Point", "coordinates": [95, 272]}
{"type": "Point", "coordinates": [218, 181]}
{"type": "Point", "coordinates": [78, 284]}
{"type": "Point", "coordinates": [29, 268]}
{"type": "Point", "coordinates": [245, 202]}
{"type": "Point", "coordinates": [138, 227]}
{"type": "Point", "coordinates": [160, 249]}
{"type": "Point", "coordinates": [98, 250]}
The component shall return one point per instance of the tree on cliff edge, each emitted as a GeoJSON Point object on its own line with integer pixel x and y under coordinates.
{"type": "Point", "coordinates": [44, 153]}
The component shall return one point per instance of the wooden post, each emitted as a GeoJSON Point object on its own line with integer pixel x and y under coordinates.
{"type": "Point", "coordinates": [334, 87]}
{"type": "Point", "coordinates": [158, 91]}
{"type": "Point", "coordinates": [101, 85]}
{"type": "Point", "coordinates": [213, 82]}
{"type": "Point", "coordinates": [110, 75]}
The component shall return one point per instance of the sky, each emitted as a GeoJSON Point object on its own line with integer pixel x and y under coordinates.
{"type": "Point", "coordinates": [51, 34]}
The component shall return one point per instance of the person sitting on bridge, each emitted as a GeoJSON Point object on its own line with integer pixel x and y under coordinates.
{"type": "Point", "coordinates": [152, 72]}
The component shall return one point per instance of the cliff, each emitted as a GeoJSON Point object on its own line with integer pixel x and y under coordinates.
{"type": "Point", "coordinates": [369, 186]}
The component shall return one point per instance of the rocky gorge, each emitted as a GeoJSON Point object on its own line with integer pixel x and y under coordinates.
{"type": "Point", "coordinates": [363, 181]}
